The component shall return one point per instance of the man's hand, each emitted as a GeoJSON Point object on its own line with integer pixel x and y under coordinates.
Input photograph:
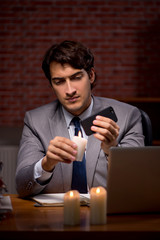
{"type": "Point", "coordinates": [107, 132]}
{"type": "Point", "coordinates": [60, 149]}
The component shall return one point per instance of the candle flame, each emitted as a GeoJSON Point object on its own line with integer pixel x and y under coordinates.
{"type": "Point", "coordinates": [98, 190]}
{"type": "Point", "coordinates": [71, 194]}
{"type": "Point", "coordinates": [79, 134]}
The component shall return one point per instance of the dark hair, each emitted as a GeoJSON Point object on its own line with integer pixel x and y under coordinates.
{"type": "Point", "coordinates": [73, 53]}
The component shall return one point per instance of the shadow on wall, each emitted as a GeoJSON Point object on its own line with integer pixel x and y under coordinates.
{"type": "Point", "coordinates": [148, 60]}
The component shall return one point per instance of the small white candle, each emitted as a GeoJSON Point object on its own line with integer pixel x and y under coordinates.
{"type": "Point", "coordinates": [98, 197]}
{"type": "Point", "coordinates": [81, 146]}
{"type": "Point", "coordinates": [72, 208]}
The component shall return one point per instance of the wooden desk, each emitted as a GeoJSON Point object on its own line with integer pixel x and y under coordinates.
{"type": "Point", "coordinates": [29, 222]}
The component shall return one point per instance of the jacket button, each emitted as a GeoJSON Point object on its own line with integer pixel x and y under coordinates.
{"type": "Point", "coordinates": [29, 186]}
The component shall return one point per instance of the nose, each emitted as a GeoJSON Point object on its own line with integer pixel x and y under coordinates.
{"type": "Point", "coordinates": [70, 89]}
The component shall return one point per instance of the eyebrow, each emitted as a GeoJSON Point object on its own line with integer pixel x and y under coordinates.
{"type": "Point", "coordinates": [72, 76]}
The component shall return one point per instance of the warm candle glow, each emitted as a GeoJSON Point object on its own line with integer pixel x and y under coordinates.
{"type": "Point", "coordinates": [98, 205]}
{"type": "Point", "coordinates": [79, 134]}
{"type": "Point", "coordinates": [71, 208]}
{"type": "Point", "coordinates": [98, 190]}
{"type": "Point", "coordinates": [71, 194]}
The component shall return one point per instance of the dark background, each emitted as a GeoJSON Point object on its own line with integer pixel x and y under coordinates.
{"type": "Point", "coordinates": [124, 36]}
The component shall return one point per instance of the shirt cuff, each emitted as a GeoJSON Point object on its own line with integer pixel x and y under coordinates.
{"type": "Point", "coordinates": [40, 175]}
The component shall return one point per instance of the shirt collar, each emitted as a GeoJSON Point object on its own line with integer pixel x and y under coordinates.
{"type": "Point", "coordinates": [68, 116]}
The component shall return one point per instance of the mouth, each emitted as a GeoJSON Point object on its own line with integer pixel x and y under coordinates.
{"type": "Point", "coordinates": [72, 99]}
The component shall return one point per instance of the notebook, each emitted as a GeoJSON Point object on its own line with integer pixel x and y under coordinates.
{"type": "Point", "coordinates": [57, 199]}
{"type": "Point", "coordinates": [133, 183]}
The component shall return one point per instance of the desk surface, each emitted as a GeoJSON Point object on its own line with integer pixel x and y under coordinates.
{"type": "Point", "coordinates": [30, 222]}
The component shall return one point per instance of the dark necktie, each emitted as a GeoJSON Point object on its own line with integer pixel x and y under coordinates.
{"type": "Point", "coordinates": [79, 179]}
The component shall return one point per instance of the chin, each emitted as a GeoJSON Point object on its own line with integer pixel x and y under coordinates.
{"type": "Point", "coordinates": [75, 110]}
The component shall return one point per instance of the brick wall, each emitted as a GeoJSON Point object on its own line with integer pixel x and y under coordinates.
{"type": "Point", "coordinates": [124, 35]}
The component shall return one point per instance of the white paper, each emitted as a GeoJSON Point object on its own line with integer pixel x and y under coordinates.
{"type": "Point", "coordinates": [57, 199]}
{"type": "Point", "coordinates": [5, 204]}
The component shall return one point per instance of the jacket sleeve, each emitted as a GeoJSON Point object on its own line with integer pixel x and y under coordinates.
{"type": "Point", "coordinates": [131, 132]}
{"type": "Point", "coordinates": [31, 150]}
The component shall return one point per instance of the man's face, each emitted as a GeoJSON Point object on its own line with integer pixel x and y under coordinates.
{"type": "Point", "coordinates": [72, 87]}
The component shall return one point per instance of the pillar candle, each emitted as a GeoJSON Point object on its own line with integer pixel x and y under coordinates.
{"type": "Point", "coordinates": [98, 203]}
{"type": "Point", "coordinates": [81, 146]}
{"type": "Point", "coordinates": [72, 208]}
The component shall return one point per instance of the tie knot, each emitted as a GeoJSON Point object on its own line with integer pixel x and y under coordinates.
{"type": "Point", "coordinates": [76, 122]}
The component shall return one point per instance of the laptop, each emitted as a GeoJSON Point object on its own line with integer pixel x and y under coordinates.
{"type": "Point", "coordinates": [133, 183]}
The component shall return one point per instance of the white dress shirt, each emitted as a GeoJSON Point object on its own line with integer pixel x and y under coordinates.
{"type": "Point", "coordinates": [40, 175]}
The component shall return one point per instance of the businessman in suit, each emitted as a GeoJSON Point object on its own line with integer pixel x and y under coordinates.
{"type": "Point", "coordinates": [47, 153]}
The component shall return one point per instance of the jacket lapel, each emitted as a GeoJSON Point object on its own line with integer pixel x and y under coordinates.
{"type": "Point", "coordinates": [93, 146]}
{"type": "Point", "coordinates": [58, 127]}
{"type": "Point", "coordinates": [93, 149]}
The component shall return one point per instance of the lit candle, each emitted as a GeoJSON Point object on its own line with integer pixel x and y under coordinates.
{"type": "Point", "coordinates": [81, 146]}
{"type": "Point", "coordinates": [98, 197]}
{"type": "Point", "coordinates": [72, 208]}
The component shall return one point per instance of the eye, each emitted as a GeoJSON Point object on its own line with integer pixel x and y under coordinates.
{"type": "Point", "coordinates": [78, 77]}
{"type": "Point", "coordinates": [58, 81]}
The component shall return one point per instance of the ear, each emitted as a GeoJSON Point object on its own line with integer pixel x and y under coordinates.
{"type": "Point", "coordinates": [92, 75]}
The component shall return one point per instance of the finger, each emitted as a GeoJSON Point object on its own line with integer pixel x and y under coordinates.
{"type": "Point", "coordinates": [103, 134]}
{"type": "Point", "coordinates": [101, 138]}
{"type": "Point", "coordinates": [59, 154]}
{"type": "Point", "coordinates": [51, 156]}
{"type": "Point", "coordinates": [64, 141]}
{"type": "Point", "coordinates": [108, 120]}
{"type": "Point", "coordinates": [106, 125]}
{"type": "Point", "coordinates": [64, 144]}
{"type": "Point", "coordinates": [63, 147]}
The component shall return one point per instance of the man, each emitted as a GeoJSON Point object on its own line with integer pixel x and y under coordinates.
{"type": "Point", "coordinates": [47, 154]}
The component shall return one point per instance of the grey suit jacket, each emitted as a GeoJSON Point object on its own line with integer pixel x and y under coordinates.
{"type": "Point", "coordinates": [44, 123]}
